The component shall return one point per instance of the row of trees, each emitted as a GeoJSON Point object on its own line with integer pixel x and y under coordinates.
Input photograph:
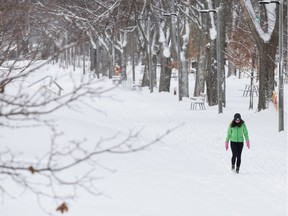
{"type": "Point", "coordinates": [172, 33]}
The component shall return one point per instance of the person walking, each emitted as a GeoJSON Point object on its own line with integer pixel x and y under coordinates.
{"type": "Point", "coordinates": [236, 133]}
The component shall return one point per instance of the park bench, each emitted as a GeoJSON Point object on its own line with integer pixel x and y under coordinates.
{"type": "Point", "coordinates": [136, 87]}
{"type": "Point", "coordinates": [198, 101]}
{"type": "Point", "coordinates": [116, 80]}
{"type": "Point", "coordinates": [247, 90]}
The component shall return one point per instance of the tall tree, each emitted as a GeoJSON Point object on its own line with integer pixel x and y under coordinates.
{"type": "Point", "coordinates": [264, 28]}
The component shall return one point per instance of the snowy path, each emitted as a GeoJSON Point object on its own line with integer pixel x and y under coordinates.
{"type": "Point", "coordinates": [188, 172]}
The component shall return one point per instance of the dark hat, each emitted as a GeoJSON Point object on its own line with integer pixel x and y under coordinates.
{"type": "Point", "coordinates": [237, 116]}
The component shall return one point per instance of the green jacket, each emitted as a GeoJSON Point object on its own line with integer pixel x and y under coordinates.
{"type": "Point", "coordinates": [237, 134]}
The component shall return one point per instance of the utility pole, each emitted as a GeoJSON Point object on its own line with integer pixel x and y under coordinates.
{"type": "Point", "coordinates": [150, 56]}
{"type": "Point", "coordinates": [281, 86]}
{"type": "Point", "coordinates": [280, 66]}
{"type": "Point", "coordinates": [179, 60]}
{"type": "Point", "coordinates": [219, 74]}
{"type": "Point", "coordinates": [178, 50]}
{"type": "Point", "coordinates": [133, 57]}
{"type": "Point", "coordinates": [148, 49]}
{"type": "Point", "coordinates": [177, 43]}
{"type": "Point", "coordinates": [252, 77]}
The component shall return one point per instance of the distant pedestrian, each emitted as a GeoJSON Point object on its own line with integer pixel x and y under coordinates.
{"type": "Point", "coordinates": [117, 70]}
{"type": "Point", "coordinates": [236, 133]}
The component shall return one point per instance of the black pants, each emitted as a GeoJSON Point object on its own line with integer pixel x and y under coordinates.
{"type": "Point", "coordinates": [236, 148]}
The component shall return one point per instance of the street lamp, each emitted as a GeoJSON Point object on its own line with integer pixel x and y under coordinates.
{"type": "Point", "coordinates": [219, 74]}
{"type": "Point", "coordinates": [150, 56]}
{"type": "Point", "coordinates": [268, 2]}
{"type": "Point", "coordinates": [180, 92]}
{"type": "Point", "coordinates": [131, 29]}
{"type": "Point", "coordinates": [252, 77]}
{"type": "Point", "coordinates": [148, 40]}
{"type": "Point", "coordinates": [280, 66]}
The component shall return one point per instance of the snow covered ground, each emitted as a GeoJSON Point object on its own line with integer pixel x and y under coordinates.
{"type": "Point", "coordinates": [187, 173]}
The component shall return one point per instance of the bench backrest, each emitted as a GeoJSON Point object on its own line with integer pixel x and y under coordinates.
{"type": "Point", "coordinates": [203, 95]}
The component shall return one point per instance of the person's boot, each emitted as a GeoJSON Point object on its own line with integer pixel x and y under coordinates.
{"type": "Point", "coordinates": [237, 169]}
{"type": "Point", "coordinates": [233, 167]}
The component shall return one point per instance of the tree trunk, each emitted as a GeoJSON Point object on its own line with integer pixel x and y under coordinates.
{"type": "Point", "coordinates": [211, 76]}
{"type": "Point", "coordinates": [84, 60]}
{"type": "Point", "coordinates": [112, 58]}
{"type": "Point", "coordinates": [145, 79]}
{"type": "Point", "coordinates": [231, 69]}
{"type": "Point", "coordinates": [165, 76]}
{"type": "Point", "coordinates": [154, 70]}
{"type": "Point", "coordinates": [97, 67]}
{"type": "Point", "coordinates": [185, 78]}
{"type": "Point", "coordinates": [266, 75]}
{"type": "Point", "coordinates": [92, 58]}
{"type": "Point", "coordinates": [201, 66]}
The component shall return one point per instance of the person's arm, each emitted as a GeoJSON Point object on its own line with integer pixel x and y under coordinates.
{"type": "Point", "coordinates": [228, 134]}
{"type": "Point", "coordinates": [245, 133]}
{"type": "Point", "coordinates": [228, 137]}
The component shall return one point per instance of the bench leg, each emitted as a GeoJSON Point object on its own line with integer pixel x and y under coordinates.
{"type": "Point", "coordinates": [192, 107]}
